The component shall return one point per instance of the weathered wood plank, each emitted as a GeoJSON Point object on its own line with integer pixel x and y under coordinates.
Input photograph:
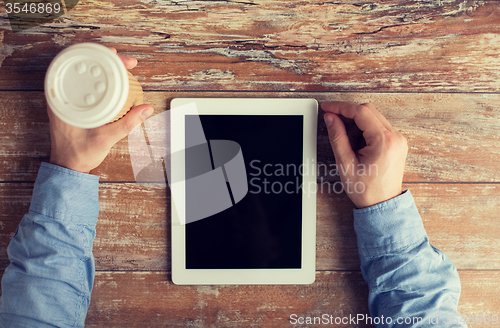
{"type": "Point", "coordinates": [15, 199]}
{"type": "Point", "coordinates": [133, 231]}
{"type": "Point", "coordinates": [452, 137]}
{"type": "Point", "coordinates": [448, 45]}
{"type": "Point", "coordinates": [354, 45]}
{"type": "Point", "coordinates": [149, 299]}
{"type": "Point", "coordinates": [459, 218]}
{"type": "Point", "coordinates": [480, 290]}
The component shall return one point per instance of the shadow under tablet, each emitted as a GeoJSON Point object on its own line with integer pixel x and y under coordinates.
{"type": "Point", "coordinates": [264, 229]}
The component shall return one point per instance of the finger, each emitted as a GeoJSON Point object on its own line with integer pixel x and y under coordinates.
{"type": "Point", "coordinates": [339, 140]}
{"type": "Point", "coordinates": [363, 116]}
{"type": "Point", "coordinates": [380, 117]}
{"type": "Point", "coordinates": [129, 62]}
{"type": "Point", "coordinates": [118, 130]}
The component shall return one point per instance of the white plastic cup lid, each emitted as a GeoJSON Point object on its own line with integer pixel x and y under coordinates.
{"type": "Point", "coordinates": [86, 85]}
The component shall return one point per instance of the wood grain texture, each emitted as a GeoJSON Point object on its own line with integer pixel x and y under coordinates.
{"type": "Point", "coordinates": [431, 67]}
{"type": "Point", "coordinates": [274, 45]}
{"type": "Point", "coordinates": [133, 230]}
{"type": "Point", "coordinates": [478, 294]}
{"type": "Point", "coordinates": [452, 137]}
{"type": "Point", "coordinates": [149, 299]}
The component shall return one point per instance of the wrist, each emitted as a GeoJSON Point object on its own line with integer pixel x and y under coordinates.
{"type": "Point", "coordinates": [75, 167]}
{"type": "Point", "coordinates": [378, 199]}
{"type": "Point", "coordinates": [366, 205]}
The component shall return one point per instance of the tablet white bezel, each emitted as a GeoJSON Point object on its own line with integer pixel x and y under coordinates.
{"type": "Point", "coordinates": [308, 108]}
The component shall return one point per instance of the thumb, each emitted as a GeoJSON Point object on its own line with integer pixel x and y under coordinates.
{"type": "Point", "coordinates": [120, 129]}
{"type": "Point", "coordinates": [339, 140]}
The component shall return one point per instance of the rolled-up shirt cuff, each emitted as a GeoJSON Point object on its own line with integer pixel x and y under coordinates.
{"type": "Point", "coordinates": [66, 195]}
{"type": "Point", "coordinates": [388, 227]}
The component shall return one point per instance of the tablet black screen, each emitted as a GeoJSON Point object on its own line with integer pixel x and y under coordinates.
{"type": "Point", "coordinates": [264, 229]}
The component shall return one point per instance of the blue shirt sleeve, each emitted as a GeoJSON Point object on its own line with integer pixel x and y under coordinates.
{"type": "Point", "coordinates": [408, 279]}
{"type": "Point", "coordinates": [51, 273]}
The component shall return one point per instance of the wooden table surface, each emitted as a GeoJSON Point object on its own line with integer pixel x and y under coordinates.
{"type": "Point", "coordinates": [431, 67]}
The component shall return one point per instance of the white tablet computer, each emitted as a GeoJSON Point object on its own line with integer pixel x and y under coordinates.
{"type": "Point", "coordinates": [243, 184]}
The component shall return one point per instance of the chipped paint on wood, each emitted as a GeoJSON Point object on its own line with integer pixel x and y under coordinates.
{"type": "Point", "coordinates": [155, 302]}
{"type": "Point", "coordinates": [452, 137]}
{"type": "Point", "coordinates": [277, 46]}
{"type": "Point", "coordinates": [133, 230]}
{"type": "Point", "coordinates": [242, 48]}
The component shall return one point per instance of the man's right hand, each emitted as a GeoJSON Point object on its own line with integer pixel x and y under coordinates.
{"type": "Point", "coordinates": [374, 173]}
{"type": "Point", "coordinates": [84, 149]}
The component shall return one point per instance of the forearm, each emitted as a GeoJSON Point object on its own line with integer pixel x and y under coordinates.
{"type": "Point", "coordinates": [50, 278]}
{"type": "Point", "coordinates": [406, 276]}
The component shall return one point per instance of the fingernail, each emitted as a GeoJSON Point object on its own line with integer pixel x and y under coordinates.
{"type": "Point", "coordinates": [131, 58]}
{"type": "Point", "coordinates": [328, 120]}
{"type": "Point", "coordinates": [147, 112]}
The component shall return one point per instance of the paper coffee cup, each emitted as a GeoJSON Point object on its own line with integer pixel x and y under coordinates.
{"type": "Point", "coordinates": [87, 85]}
{"type": "Point", "coordinates": [135, 96]}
